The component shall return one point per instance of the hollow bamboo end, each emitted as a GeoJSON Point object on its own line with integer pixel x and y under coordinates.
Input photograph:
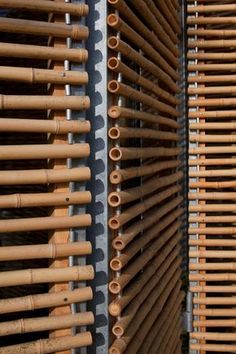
{"type": "Point", "coordinates": [115, 177]}
{"type": "Point", "coordinates": [114, 133]}
{"type": "Point", "coordinates": [115, 154]}
{"type": "Point", "coordinates": [114, 287]}
{"type": "Point", "coordinates": [113, 42]}
{"type": "Point", "coordinates": [114, 112]}
{"type": "Point", "coordinates": [113, 2]}
{"type": "Point", "coordinates": [118, 244]}
{"type": "Point", "coordinates": [114, 199]}
{"type": "Point", "coordinates": [114, 223]}
{"type": "Point", "coordinates": [114, 310]}
{"type": "Point", "coordinates": [115, 264]}
{"type": "Point", "coordinates": [113, 63]}
{"type": "Point", "coordinates": [112, 20]}
{"type": "Point", "coordinates": [118, 331]}
{"type": "Point", "coordinates": [113, 86]}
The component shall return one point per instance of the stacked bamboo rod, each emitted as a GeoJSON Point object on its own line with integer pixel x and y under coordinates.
{"type": "Point", "coordinates": [211, 100]}
{"type": "Point", "coordinates": [145, 182]}
{"type": "Point", "coordinates": [35, 176]}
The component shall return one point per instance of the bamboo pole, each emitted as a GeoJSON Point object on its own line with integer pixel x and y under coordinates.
{"type": "Point", "coordinates": [212, 207]}
{"type": "Point", "coordinates": [46, 275]}
{"type": "Point", "coordinates": [44, 102]}
{"type": "Point", "coordinates": [51, 345]}
{"type": "Point", "coordinates": [214, 289]}
{"type": "Point", "coordinates": [211, 33]}
{"type": "Point", "coordinates": [212, 8]}
{"type": "Point", "coordinates": [210, 56]}
{"type": "Point", "coordinates": [212, 102]}
{"type": "Point", "coordinates": [225, 312]}
{"type": "Point", "coordinates": [212, 254]}
{"type": "Point", "coordinates": [213, 266]}
{"type": "Point", "coordinates": [46, 6]}
{"type": "Point", "coordinates": [212, 162]}
{"type": "Point", "coordinates": [123, 132]}
{"type": "Point", "coordinates": [215, 301]}
{"type": "Point", "coordinates": [44, 126]}
{"type": "Point", "coordinates": [116, 112]}
{"type": "Point", "coordinates": [42, 76]}
{"type": "Point", "coordinates": [213, 336]}
{"type": "Point", "coordinates": [14, 50]}
{"type": "Point", "coordinates": [129, 153]}
{"type": "Point", "coordinates": [43, 151]}
{"type": "Point", "coordinates": [213, 138]}
{"type": "Point", "coordinates": [213, 150]}
{"type": "Point", "coordinates": [13, 253]}
{"type": "Point", "coordinates": [29, 325]}
{"type": "Point", "coordinates": [40, 28]}
{"type": "Point", "coordinates": [212, 196]}
{"type": "Point", "coordinates": [215, 323]}
{"type": "Point", "coordinates": [40, 301]}
{"type": "Point", "coordinates": [202, 20]}
{"type": "Point", "coordinates": [216, 173]}
{"type": "Point", "coordinates": [219, 43]}
{"type": "Point", "coordinates": [212, 90]}
{"type": "Point", "coordinates": [213, 126]}
{"type": "Point", "coordinates": [213, 242]}
{"type": "Point", "coordinates": [211, 67]}
{"type": "Point", "coordinates": [213, 114]}
{"type": "Point", "coordinates": [169, 16]}
{"type": "Point", "coordinates": [213, 277]}
{"type": "Point", "coordinates": [45, 223]}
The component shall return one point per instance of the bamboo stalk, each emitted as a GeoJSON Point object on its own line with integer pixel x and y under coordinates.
{"type": "Point", "coordinates": [46, 6]}
{"type": "Point", "coordinates": [40, 28]}
{"type": "Point", "coordinates": [44, 126]}
{"type": "Point", "coordinates": [215, 301]}
{"type": "Point", "coordinates": [44, 102]}
{"type": "Point", "coordinates": [39, 76]}
{"type": "Point", "coordinates": [46, 275]}
{"type": "Point", "coordinates": [29, 325]}
{"type": "Point", "coordinates": [212, 162]}
{"type": "Point", "coordinates": [203, 20]}
{"type": "Point", "coordinates": [216, 173]}
{"type": "Point", "coordinates": [116, 112]}
{"type": "Point", "coordinates": [211, 242]}
{"type": "Point", "coordinates": [45, 223]}
{"type": "Point", "coordinates": [212, 196]}
{"type": "Point", "coordinates": [212, 102]}
{"type": "Point", "coordinates": [213, 138]}
{"type": "Point", "coordinates": [215, 289]}
{"type": "Point", "coordinates": [211, 33]}
{"type": "Point", "coordinates": [44, 176]}
{"type": "Point", "coordinates": [168, 16]}
{"type": "Point", "coordinates": [212, 254]}
{"type": "Point", "coordinates": [213, 114]}
{"type": "Point", "coordinates": [129, 153]}
{"type": "Point", "coordinates": [215, 323]}
{"type": "Point", "coordinates": [211, 67]}
{"type": "Point", "coordinates": [213, 277]}
{"type": "Point", "coordinates": [219, 43]}
{"type": "Point", "coordinates": [33, 302]}
{"type": "Point", "coordinates": [122, 132]}
{"type": "Point", "coordinates": [212, 8]}
{"type": "Point", "coordinates": [215, 312]}
{"type": "Point", "coordinates": [213, 266]}
{"type": "Point", "coordinates": [13, 253]}
{"type": "Point", "coordinates": [211, 56]}
{"type": "Point", "coordinates": [14, 50]}
{"type": "Point", "coordinates": [43, 151]}
{"type": "Point", "coordinates": [51, 345]}
{"type": "Point", "coordinates": [213, 126]}
{"type": "Point", "coordinates": [119, 88]}
{"type": "Point", "coordinates": [213, 150]}
{"type": "Point", "coordinates": [212, 90]}
{"type": "Point", "coordinates": [212, 207]}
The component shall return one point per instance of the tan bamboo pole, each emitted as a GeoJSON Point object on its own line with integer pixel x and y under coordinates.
{"type": "Point", "coordinates": [121, 343]}
{"type": "Point", "coordinates": [45, 223]}
{"type": "Point", "coordinates": [215, 300]}
{"type": "Point", "coordinates": [211, 67]}
{"type": "Point", "coordinates": [226, 312]}
{"type": "Point", "coordinates": [215, 323]}
{"type": "Point", "coordinates": [119, 283]}
{"type": "Point", "coordinates": [212, 90]}
{"type": "Point", "coordinates": [213, 242]}
{"type": "Point", "coordinates": [212, 254]}
{"type": "Point", "coordinates": [156, 284]}
{"type": "Point", "coordinates": [51, 345]}
{"type": "Point", "coordinates": [119, 88]}
{"type": "Point", "coordinates": [129, 153]}
{"type": "Point", "coordinates": [212, 207]}
{"type": "Point", "coordinates": [215, 289]}
{"type": "Point", "coordinates": [121, 175]}
{"type": "Point", "coordinates": [115, 22]}
{"type": "Point", "coordinates": [46, 275]}
{"type": "Point", "coordinates": [213, 266]}
{"type": "Point", "coordinates": [44, 126]}
{"type": "Point", "coordinates": [213, 114]}
{"type": "Point", "coordinates": [12, 253]}
{"type": "Point", "coordinates": [168, 16]}
{"type": "Point", "coordinates": [44, 176]}
{"type": "Point", "coordinates": [212, 102]}
{"type": "Point", "coordinates": [46, 6]}
{"type": "Point", "coordinates": [39, 76]}
{"type": "Point", "coordinates": [210, 56]}
{"type": "Point", "coordinates": [14, 50]}
{"type": "Point", "coordinates": [121, 241]}
{"type": "Point", "coordinates": [44, 102]}
{"type": "Point", "coordinates": [213, 150]}
{"type": "Point", "coordinates": [40, 28]}
{"type": "Point", "coordinates": [149, 11]}
{"type": "Point", "coordinates": [211, 33]}
{"type": "Point", "coordinates": [212, 162]}
{"type": "Point", "coordinates": [120, 261]}
{"type": "Point", "coordinates": [33, 302]}
{"type": "Point", "coordinates": [219, 43]}
{"type": "Point", "coordinates": [216, 185]}
{"type": "Point", "coordinates": [118, 198]}
{"type": "Point", "coordinates": [43, 151]}
{"type": "Point", "coordinates": [122, 132]}
{"type": "Point", "coordinates": [44, 199]}
{"type": "Point", "coordinates": [120, 303]}
{"type": "Point", "coordinates": [213, 138]}
{"type": "Point", "coordinates": [200, 20]}
{"type": "Point", "coordinates": [119, 46]}
{"type": "Point", "coordinates": [213, 277]}
{"type": "Point", "coordinates": [212, 8]}
{"type": "Point", "coordinates": [116, 112]}
{"type": "Point", "coordinates": [215, 173]}
{"type": "Point", "coordinates": [212, 195]}
{"type": "Point", "coordinates": [116, 222]}
{"type": "Point", "coordinates": [118, 66]}
{"type": "Point", "coordinates": [29, 325]}
{"type": "Point", "coordinates": [213, 126]}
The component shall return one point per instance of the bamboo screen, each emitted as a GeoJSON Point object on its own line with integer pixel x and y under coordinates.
{"type": "Point", "coordinates": [211, 67]}
{"type": "Point", "coordinates": [145, 181]}
{"type": "Point", "coordinates": [42, 152]}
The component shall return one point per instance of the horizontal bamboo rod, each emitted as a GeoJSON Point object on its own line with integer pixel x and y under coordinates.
{"type": "Point", "coordinates": [213, 126]}
{"type": "Point", "coordinates": [212, 114]}
{"type": "Point", "coordinates": [129, 153]}
{"type": "Point", "coordinates": [114, 43]}
{"type": "Point", "coordinates": [45, 223]}
{"type": "Point", "coordinates": [43, 176]}
{"type": "Point", "coordinates": [211, 67]}
{"type": "Point", "coordinates": [123, 132]}
{"type": "Point", "coordinates": [219, 43]}
{"type": "Point", "coordinates": [213, 150]}
{"type": "Point", "coordinates": [213, 230]}
{"type": "Point", "coordinates": [118, 198]}
{"type": "Point", "coordinates": [215, 173]}
{"type": "Point", "coordinates": [212, 207]}
{"type": "Point", "coordinates": [119, 88]}
{"type": "Point", "coordinates": [121, 241]}
{"type": "Point", "coordinates": [161, 60]}
{"type": "Point", "coordinates": [40, 28]}
{"type": "Point", "coordinates": [52, 251]}
{"type": "Point", "coordinates": [14, 50]}
{"type": "Point", "coordinates": [44, 199]}
{"type": "Point", "coordinates": [214, 185]}
{"type": "Point", "coordinates": [212, 195]}
{"type": "Point", "coordinates": [46, 275]}
{"type": "Point", "coordinates": [43, 151]}
{"type": "Point", "coordinates": [214, 289]}
{"type": "Point", "coordinates": [213, 242]}
{"type": "Point", "coordinates": [211, 33]}
{"type": "Point", "coordinates": [213, 277]}
{"type": "Point", "coordinates": [213, 266]}
{"type": "Point", "coordinates": [47, 300]}
{"type": "Point", "coordinates": [215, 300]}
{"type": "Point", "coordinates": [213, 336]}
{"type": "Point", "coordinates": [212, 162]}
{"type": "Point", "coordinates": [212, 90]}
{"type": "Point", "coordinates": [118, 66]}
{"type": "Point", "coordinates": [44, 126]}
{"type": "Point", "coordinates": [121, 175]}
{"type": "Point", "coordinates": [116, 112]}
{"type": "Point", "coordinates": [211, 56]}
{"type": "Point", "coordinates": [200, 20]}
{"type": "Point", "coordinates": [209, 138]}
{"type": "Point", "coordinates": [29, 325]}
{"type": "Point", "coordinates": [215, 312]}
{"type": "Point", "coordinates": [51, 345]}
{"type": "Point", "coordinates": [44, 102]}
{"type": "Point", "coordinates": [212, 8]}
{"type": "Point", "coordinates": [46, 6]}
{"type": "Point", "coordinates": [117, 221]}
{"type": "Point", "coordinates": [212, 254]}
{"type": "Point", "coordinates": [43, 76]}
{"type": "Point", "coordinates": [215, 323]}
{"type": "Point", "coordinates": [120, 303]}
{"type": "Point", "coordinates": [212, 102]}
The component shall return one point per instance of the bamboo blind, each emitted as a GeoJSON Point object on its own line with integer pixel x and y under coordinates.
{"type": "Point", "coordinates": [211, 90]}
{"type": "Point", "coordinates": [36, 276]}
{"type": "Point", "coordinates": [145, 182]}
